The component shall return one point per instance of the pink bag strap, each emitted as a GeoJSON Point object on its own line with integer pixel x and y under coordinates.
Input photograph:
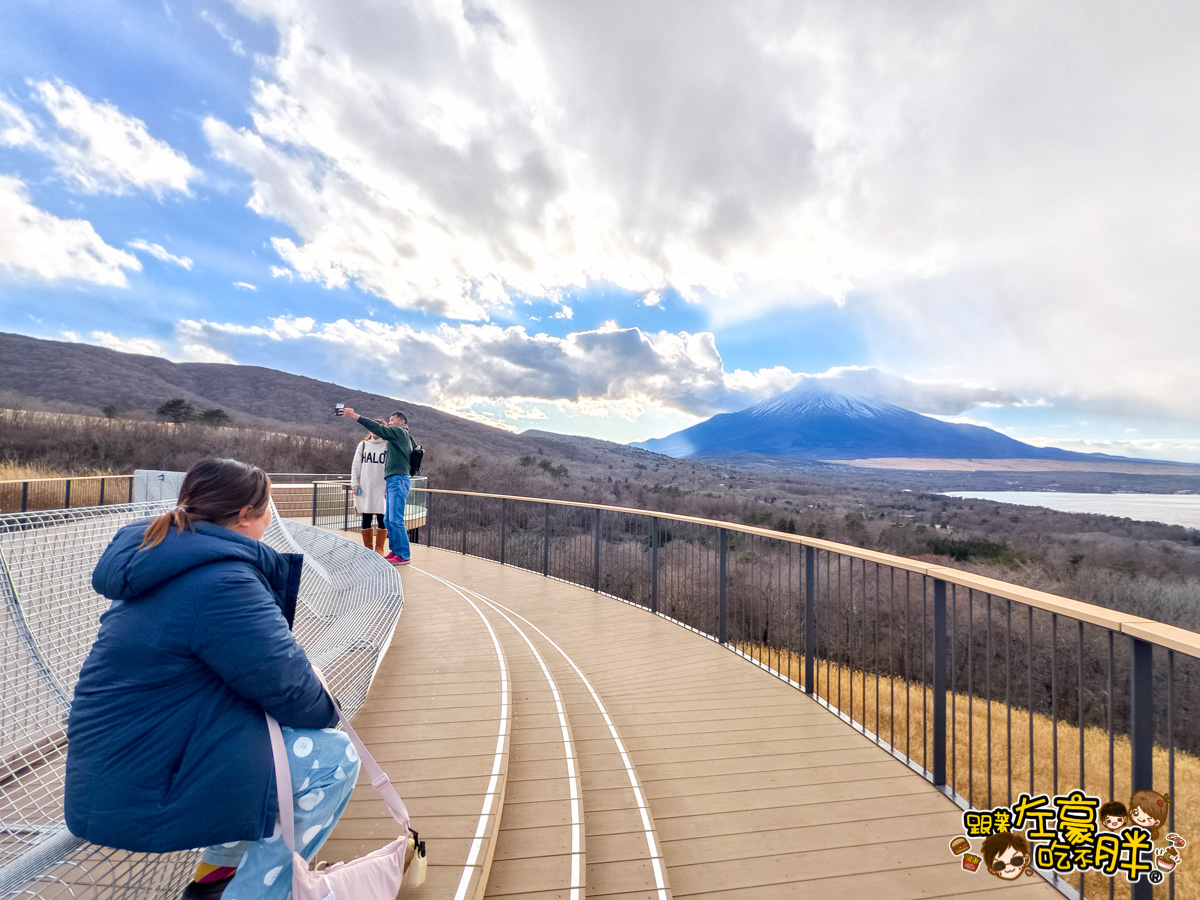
{"type": "Point", "coordinates": [283, 777]}
{"type": "Point", "coordinates": [283, 783]}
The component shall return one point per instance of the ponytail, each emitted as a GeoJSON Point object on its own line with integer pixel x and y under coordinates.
{"type": "Point", "coordinates": [213, 490]}
{"type": "Point", "coordinates": [179, 517]}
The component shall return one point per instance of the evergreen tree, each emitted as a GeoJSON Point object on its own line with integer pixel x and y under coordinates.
{"type": "Point", "coordinates": [177, 410]}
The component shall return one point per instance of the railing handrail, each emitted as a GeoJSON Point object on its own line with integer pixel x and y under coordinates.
{"type": "Point", "coordinates": [1152, 631]}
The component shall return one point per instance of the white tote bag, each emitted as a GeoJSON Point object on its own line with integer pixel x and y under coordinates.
{"type": "Point", "coordinates": [376, 876]}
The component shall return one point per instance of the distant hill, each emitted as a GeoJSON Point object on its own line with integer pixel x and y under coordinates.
{"type": "Point", "coordinates": [82, 378]}
{"type": "Point", "coordinates": [817, 424]}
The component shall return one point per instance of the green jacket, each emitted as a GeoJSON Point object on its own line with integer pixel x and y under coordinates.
{"type": "Point", "coordinates": [399, 442]}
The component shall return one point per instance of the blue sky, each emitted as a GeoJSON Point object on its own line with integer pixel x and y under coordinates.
{"type": "Point", "coordinates": [620, 219]}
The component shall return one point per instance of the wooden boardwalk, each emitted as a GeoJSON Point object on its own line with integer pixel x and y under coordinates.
{"type": "Point", "coordinates": [554, 743]}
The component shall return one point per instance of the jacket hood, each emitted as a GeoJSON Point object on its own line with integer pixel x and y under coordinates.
{"type": "Point", "coordinates": [126, 573]}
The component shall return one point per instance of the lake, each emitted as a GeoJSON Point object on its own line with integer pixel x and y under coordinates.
{"type": "Point", "coordinates": [1173, 509]}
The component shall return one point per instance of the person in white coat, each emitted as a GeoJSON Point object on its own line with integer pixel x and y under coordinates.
{"type": "Point", "coordinates": [366, 480]}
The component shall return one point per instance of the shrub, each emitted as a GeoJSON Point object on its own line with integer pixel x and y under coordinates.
{"type": "Point", "coordinates": [962, 550]}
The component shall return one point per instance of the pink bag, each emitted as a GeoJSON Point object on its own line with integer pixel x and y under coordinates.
{"type": "Point", "coordinates": [377, 875]}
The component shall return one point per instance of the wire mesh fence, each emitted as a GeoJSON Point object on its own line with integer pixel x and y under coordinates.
{"type": "Point", "coordinates": [349, 603]}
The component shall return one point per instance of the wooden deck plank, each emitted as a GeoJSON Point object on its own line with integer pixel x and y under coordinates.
{"type": "Point", "coordinates": [440, 751]}
{"type": "Point", "coordinates": [756, 790]}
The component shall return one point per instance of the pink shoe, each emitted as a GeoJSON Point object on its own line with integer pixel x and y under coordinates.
{"type": "Point", "coordinates": [392, 558]}
{"type": "Point", "coordinates": [402, 562]}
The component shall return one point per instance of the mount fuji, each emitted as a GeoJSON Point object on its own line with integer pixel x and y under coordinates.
{"type": "Point", "coordinates": [820, 424]}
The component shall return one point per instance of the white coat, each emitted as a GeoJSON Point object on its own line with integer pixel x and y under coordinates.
{"type": "Point", "coordinates": [366, 472]}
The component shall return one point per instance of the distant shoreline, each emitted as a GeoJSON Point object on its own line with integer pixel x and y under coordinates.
{"type": "Point", "coordinates": [1121, 467]}
{"type": "Point", "coordinates": [1169, 509]}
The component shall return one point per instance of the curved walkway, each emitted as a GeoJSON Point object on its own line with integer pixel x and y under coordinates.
{"type": "Point", "coordinates": [508, 699]}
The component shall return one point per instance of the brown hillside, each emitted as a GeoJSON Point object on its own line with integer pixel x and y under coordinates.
{"type": "Point", "coordinates": [88, 378]}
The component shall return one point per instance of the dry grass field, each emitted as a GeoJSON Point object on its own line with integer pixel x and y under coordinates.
{"type": "Point", "coordinates": [982, 771]}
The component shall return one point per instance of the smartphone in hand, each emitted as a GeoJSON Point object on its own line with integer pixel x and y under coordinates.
{"type": "Point", "coordinates": [337, 410]}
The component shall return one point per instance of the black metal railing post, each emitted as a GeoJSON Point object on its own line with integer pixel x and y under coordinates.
{"type": "Point", "coordinates": [101, 503]}
{"type": "Point", "coordinates": [346, 508]}
{"type": "Point", "coordinates": [1141, 734]}
{"type": "Point", "coordinates": [1141, 715]}
{"type": "Point", "coordinates": [810, 617]}
{"type": "Point", "coordinates": [428, 520]}
{"type": "Point", "coordinates": [464, 526]}
{"type": "Point", "coordinates": [654, 564]}
{"type": "Point", "coordinates": [67, 495]}
{"type": "Point", "coordinates": [130, 488]}
{"type": "Point", "coordinates": [314, 504]}
{"type": "Point", "coordinates": [546, 541]}
{"type": "Point", "coordinates": [24, 496]}
{"type": "Point", "coordinates": [940, 696]}
{"type": "Point", "coordinates": [596, 556]}
{"type": "Point", "coordinates": [722, 612]}
{"type": "Point", "coordinates": [503, 526]}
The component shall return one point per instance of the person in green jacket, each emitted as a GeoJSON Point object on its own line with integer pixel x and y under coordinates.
{"type": "Point", "coordinates": [396, 477]}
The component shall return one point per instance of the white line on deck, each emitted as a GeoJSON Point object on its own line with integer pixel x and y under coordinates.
{"type": "Point", "coordinates": [643, 809]}
{"type": "Point", "coordinates": [568, 746]}
{"type": "Point", "coordinates": [494, 781]}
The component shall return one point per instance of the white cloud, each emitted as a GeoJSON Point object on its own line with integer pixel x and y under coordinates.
{"type": "Point", "coordinates": [142, 346]}
{"type": "Point", "coordinates": [36, 243]}
{"type": "Point", "coordinates": [245, 286]}
{"type": "Point", "coordinates": [606, 372]}
{"type": "Point", "coordinates": [94, 144]}
{"type": "Point", "coordinates": [928, 397]}
{"type": "Point", "coordinates": [1006, 191]}
{"type": "Point", "coordinates": [159, 252]}
{"type": "Point", "coordinates": [1171, 449]}
{"type": "Point", "coordinates": [223, 30]}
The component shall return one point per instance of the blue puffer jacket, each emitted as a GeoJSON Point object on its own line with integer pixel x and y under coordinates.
{"type": "Point", "coordinates": [168, 747]}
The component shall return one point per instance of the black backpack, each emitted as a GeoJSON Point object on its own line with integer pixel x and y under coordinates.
{"type": "Point", "coordinates": [414, 458]}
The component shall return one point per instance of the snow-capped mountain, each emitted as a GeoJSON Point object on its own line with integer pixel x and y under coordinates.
{"type": "Point", "coordinates": [819, 424]}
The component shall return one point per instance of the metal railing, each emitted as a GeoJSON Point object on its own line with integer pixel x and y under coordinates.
{"type": "Point", "coordinates": [331, 505]}
{"type": "Point", "coordinates": [65, 493]}
{"type": "Point", "coordinates": [306, 477]}
{"type": "Point", "coordinates": [986, 689]}
{"type": "Point", "coordinates": [75, 492]}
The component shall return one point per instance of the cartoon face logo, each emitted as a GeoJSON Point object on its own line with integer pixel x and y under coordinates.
{"type": "Point", "coordinates": [1114, 816]}
{"type": "Point", "coordinates": [1006, 854]}
{"type": "Point", "coordinates": [1149, 810]}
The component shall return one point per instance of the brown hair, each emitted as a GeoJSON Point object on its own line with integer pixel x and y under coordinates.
{"type": "Point", "coordinates": [995, 844]}
{"type": "Point", "coordinates": [213, 490]}
{"type": "Point", "coordinates": [1113, 808]}
{"type": "Point", "coordinates": [1151, 803]}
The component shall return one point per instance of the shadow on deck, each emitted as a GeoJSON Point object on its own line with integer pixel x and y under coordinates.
{"type": "Point", "coordinates": [552, 742]}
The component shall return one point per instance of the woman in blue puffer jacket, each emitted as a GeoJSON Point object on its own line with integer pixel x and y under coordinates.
{"type": "Point", "coordinates": [168, 745]}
